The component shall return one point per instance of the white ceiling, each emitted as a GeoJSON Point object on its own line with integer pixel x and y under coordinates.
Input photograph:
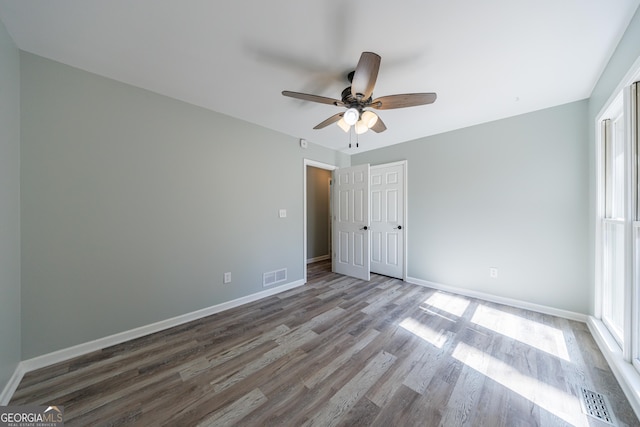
{"type": "Point", "coordinates": [485, 59]}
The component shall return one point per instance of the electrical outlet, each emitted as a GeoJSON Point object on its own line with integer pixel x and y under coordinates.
{"type": "Point", "coordinates": [493, 272]}
{"type": "Point", "coordinates": [227, 277]}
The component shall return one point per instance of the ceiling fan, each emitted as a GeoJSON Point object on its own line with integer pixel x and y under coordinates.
{"type": "Point", "coordinates": [357, 98]}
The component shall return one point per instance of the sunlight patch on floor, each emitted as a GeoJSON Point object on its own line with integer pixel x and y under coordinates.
{"type": "Point", "coordinates": [556, 401]}
{"type": "Point", "coordinates": [537, 335]}
{"type": "Point", "coordinates": [433, 337]}
{"type": "Point", "coordinates": [450, 303]}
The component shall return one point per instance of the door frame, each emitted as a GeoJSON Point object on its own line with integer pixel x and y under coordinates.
{"type": "Point", "coordinates": [405, 206]}
{"type": "Point", "coordinates": [319, 165]}
{"type": "Point", "coordinates": [330, 167]}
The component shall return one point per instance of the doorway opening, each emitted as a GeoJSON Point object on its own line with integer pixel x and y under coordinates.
{"type": "Point", "coordinates": [317, 212]}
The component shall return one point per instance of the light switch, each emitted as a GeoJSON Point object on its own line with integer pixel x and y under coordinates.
{"type": "Point", "coordinates": [283, 213]}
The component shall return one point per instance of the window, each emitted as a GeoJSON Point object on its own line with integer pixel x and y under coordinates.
{"type": "Point", "coordinates": [618, 305]}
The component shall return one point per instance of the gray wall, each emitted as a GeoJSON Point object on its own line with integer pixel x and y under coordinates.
{"type": "Point", "coordinates": [511, 194]}
{"type": "Point", "coordinates": [9, 206]}
{"type": "Point", "coordinates": [135, 204]}
{"type": "Point", "coordinates": [626, 53]}
{"type": "Point", "coordinates": [317, 212]}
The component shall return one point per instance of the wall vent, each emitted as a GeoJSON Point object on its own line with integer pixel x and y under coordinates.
{"type": "Point", "coordinates": [273, 277]}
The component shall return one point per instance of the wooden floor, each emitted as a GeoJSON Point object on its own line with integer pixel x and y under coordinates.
{"type": "Point", "coordinates": [340, 351]}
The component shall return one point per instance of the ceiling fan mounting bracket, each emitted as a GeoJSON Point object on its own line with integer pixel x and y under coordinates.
{"type": "Point", "coordinates": [350, 75]}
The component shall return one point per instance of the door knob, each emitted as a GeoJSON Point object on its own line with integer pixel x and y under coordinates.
{"type": "Point", "coordinates": [398, 227]}
{"type": "Point", "coordinates": [364, 228]}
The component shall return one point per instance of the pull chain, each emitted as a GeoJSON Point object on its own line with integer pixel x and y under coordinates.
{"type": "Point", "coordinates": [351, 131]}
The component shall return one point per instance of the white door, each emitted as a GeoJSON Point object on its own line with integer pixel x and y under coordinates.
{"type": "Point", "coordinates": [351, 221]}
{"type": "Point", "coordinates": [387, 217]}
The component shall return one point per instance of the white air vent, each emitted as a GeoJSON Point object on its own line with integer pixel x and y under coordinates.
{"type": "Point", "coordinates": [597, 406]}
{"type": "Point", "coordinates": [273, 277]}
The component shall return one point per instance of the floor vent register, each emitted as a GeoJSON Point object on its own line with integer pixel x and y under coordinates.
{"type": "Point", "coordinates": [597, 406]}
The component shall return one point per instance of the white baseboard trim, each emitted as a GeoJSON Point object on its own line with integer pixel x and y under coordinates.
{"type": "Point", "coordinates": [502, 300]}
{"type": "Point", "coordinates": [12, 385]}
{"type": "Point", "coordinates": [318, 258]}
{"type": "Point", "coordinates": [88, 347]}
{"type": "Point", "coordinates": [626, 374]}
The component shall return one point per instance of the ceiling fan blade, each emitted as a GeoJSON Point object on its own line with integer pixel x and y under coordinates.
{"type": "Point", "coordinates": [330, 120]}
{"type": "Point", "coordinates": [379, 126]}
{"type": "Point", "coordinates": [364, 78]}
{"type": "Point", "coordinates": [404, 100]}
{"type": "Point", "coordinates": [313, 98]}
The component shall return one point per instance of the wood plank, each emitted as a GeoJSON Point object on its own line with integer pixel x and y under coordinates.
{"type": "Point", "coordinates": [317, 376]}
{"type": "Point", "coordinates": [346, 398]}
{"type": "Point", "coordinates": [231, 414]}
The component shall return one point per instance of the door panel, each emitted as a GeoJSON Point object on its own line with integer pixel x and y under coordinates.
{"type": "Point", "coordinates": [358, 249]}
{"type": "Point", "coordinates": [344, 206]}
{"type": "Point", "coordinates": [376, 255]}
{"type": "Point", "coordinates": [343, 252]}
{"type": "Point", "coordinates": [351, 192]}
{"type": "Point", "coordinates": [392, 205]}
{"type": "Point", "coordinates": [359, 207]}
{"type": "Point", "coordinates": [387, 214]}
{"type": "Point", "coordinates": [376, 206]}
{"type": "Point", "coordinates": [392, 249]}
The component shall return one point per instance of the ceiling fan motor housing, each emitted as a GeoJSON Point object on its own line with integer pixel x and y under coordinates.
{"type": "Point", "coordinates": [352, 102]}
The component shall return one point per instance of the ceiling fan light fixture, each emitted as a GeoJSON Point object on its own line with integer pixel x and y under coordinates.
{"type": "Point", "coordinates": [351, 116]}
{"type": "Point", "coordinates": [369, 118]}
{"type": "Point", "coordinates": [343, 125]}
{"type": "Point", "coordinates": [361, 127]}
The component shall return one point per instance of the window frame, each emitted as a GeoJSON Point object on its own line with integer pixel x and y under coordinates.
{"type": "Point", "coordinates": [632, 105]}
{"type": "Point", "coordinates": [618, 108]}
